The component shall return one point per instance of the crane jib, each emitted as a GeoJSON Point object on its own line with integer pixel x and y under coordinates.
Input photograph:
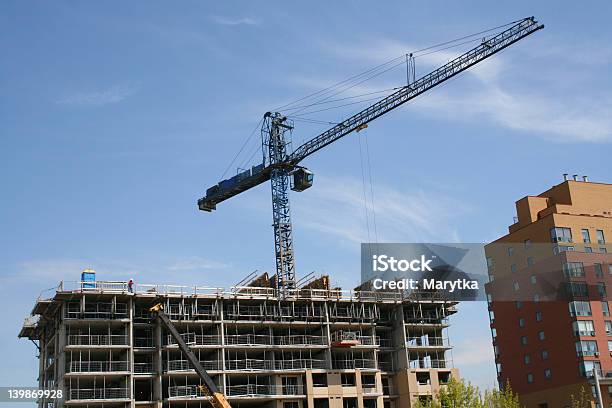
{"type": "Point", "coordinates": [487, 48]}
{"type": "Point", "coordinates": [259, 174]}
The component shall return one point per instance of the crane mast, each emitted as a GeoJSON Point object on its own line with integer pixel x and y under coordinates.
{"type": "Point", "coordinates": [282, 165]}
{"type": "Point", "coordinates": [274, 128]}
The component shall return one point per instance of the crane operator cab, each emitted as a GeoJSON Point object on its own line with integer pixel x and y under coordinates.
{"type": "Point", "coordinates": [302, 179]}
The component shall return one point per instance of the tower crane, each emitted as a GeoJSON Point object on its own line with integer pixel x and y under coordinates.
{"type": "Point", "coordinates": [283, 169]}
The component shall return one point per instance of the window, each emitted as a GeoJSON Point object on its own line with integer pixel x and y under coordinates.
{"type": "Point", "coordinates": [587, 367]}
{"type": "Point", "coordinates": [489, 263]}
{"type": "Point", "coordinates": [515, 285]}
{"type": "Point", "coordinates": [529, 378]}
{"type": "Point", "coordinates": [559, 249]}
{"type": "Point", "coordinates": [609, 345]}
{"type": "Point", "coordinates": [586, 348]}
{"type": "Point", "coordinates": [573, 269]}
{"type": "Point", "coordinates": [319, 380]}
{"type": "Point", "coordinates": [610, 269]}
{"type": "Point", "coordinates": [541, 335]}
{"type": "Point", "coordinates": [580, 308]}
{"type": "Point", "coordinates": [347, 379]}
{"type": "Point", "coordinates": [533, 279]}
{"type": "Point", "coordinates": [600, 237]}
{"type": "Point", "coordinates": [586, 238]}
{"type": "Point", "coordinates": [510, 251]}
{"type": "Point", "coordinates": [583, 328]}
{"type": "Point", "coordinates": [544, 354]}
{"type": "Point", "coordinates": [524, 340]}
{"type": "Point", "coordinates": [603, 250]}
{"type": "Point", "coordinates": [605, 309]}
{"type": "Point", "coordinates": [494, 332]}
{"type": "Point", "coordinates": [521, 322]}
{"type": "Point", "coordinates": [536, 298]}
{"type": "Point", "coordinates": [530, 261]}
{"type": "Point", "coordinates": [291, 404]}
{"type": "Point", "coordinates": [601, 289]}
{"type": "Point", "coordinates": [577, 289]}
{"type": "Point", "coordinates": [513, 268]}
{"type": "Point", "coordinates": [527, 243]}
{"type": "Point", "coordinates": [491, 316]}
{"type": "Point", "coordinates": [519, 304]}
{"type": "Point", "coordinates": [608, 327]}
{"type": "Point", "coordinates": [526, 359]}
{"type": "Point", "coordinates": [598, 270]}
{"type": "Point", "coordinates": [547, 374]}
{"type": "Point", "coordinates": [588, 250]}
{"type": "Point", "coordinates": [538, 316]}
{"type": "Point", "coordinates": [561, 234]}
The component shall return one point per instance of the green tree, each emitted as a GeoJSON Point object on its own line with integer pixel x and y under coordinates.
{"type": "Point", "coordinates": [462, 394]}
{"type": "Point", "coordinates": [505, 398]}
{"type": "Point", "coordinates": [584, 399]}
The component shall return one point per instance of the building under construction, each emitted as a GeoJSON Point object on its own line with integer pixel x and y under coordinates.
{"type": "Point", "coordinates": [265, 343]}
{"type": "Point", "coordinates": [316, 347]}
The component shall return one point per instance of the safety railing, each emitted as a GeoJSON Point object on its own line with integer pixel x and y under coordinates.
{"type": "Point", "coordinates": [97, 366]}
{"type": "Point", "coordinates": [415, 364]}
{"type": "Point", "coordinates": [247, 339]}
{"type": "Point", "coordinates": [143, 342]}
{"type": "Point", "coordinates": [353, 364]}
{"type": "Point", "coordinates": [420, 342]}
{"type": "Point", "coordinates": [300, 340]}
{"type": "Point", "coordinates": [195, 339]}
{"type": "Point", "coordinates": [184, 365]}
{"type": "Point", "coordinates": [300, 364]}
{"type": "Point", "coordinates": [240, 292]}
{"type": "Point", "coordinates": [249, 364]}
{"type": "Point", "coordinates": [144, 368]}
{"type": "Point", "coordinates": [252, 390]}
{"type": "Point", "coordinates": [185, 391]}
{"type": "Point", "coordinates": [98, 393]}
{"type": "Point", "coordinates": [97, 340]}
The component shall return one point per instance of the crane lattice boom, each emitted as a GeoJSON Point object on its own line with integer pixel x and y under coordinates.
{"type": "Point", "coordinates": [281, 164]}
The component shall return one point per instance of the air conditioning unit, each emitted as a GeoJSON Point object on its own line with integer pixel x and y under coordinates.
{"type": "Point", "coordinates": [593, 333]}
{"type": "Point", "coordinates": [596, 354]}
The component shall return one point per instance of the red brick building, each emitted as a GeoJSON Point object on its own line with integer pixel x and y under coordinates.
{"type": "Point", "coordinates": [550, 295]}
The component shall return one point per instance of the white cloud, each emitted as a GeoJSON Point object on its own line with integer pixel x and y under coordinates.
{"type": "Point", "coordinates": [114, 94]}
{"type": "Point", "coordinates": [336, 208]}
{"type": "Point", "coordinates": [236, 21]}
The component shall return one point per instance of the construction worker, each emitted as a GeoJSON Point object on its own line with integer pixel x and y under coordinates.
{"type": "Point", "coordinates": [130, 286]}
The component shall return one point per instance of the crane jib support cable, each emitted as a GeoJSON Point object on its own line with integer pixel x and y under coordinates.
{"type": "Point", "coordinates": [486, 49]}
{"type": "Point", "coordinates": [280, 164]}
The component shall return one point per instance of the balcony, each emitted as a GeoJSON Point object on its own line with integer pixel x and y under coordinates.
{"type": "Point", "coordinates": [249, 364]}
{"type": "Point", "coordinates": [185, 391]}
{"type": "Point", "coordinates": [144, 368]}
{"type": "Point", "coordinates": [97, 366]}
{"type": "Point", "coordinates": [196, 339]}
{"type": "Point", "coordinates": [143, 342]}
{"type": "Point", "coordinates": [300, 364]}
{"type": "Point", "coordinates": [416, 364]}
{"type": "Point", "coordinates": [253, 390]}
{"type": "Point", "coordinates": [98, 393]}
{"type": "Point", "coordinates": [96, 340]}
{"type": "Point", "coordinates": [353, 364]}
{"type": "Point", "coordinates": [428, 342]}
{"type": "Point", "coordinates": [184, 365]}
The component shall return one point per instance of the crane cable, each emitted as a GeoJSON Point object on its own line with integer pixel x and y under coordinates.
{"type": "Point", "coordinates": [418, 53]}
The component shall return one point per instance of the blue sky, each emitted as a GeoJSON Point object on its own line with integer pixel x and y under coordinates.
{"type": "Point", "coordinates": [115, 117]}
